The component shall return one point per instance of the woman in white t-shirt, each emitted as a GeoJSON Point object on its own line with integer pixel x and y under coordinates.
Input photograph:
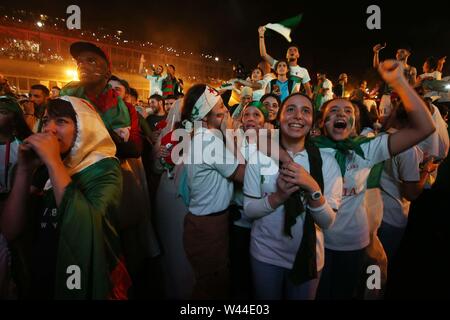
{"type": "Point", "coordinates": [211, 167]}
{"type": "Point", "coordinates": [254, 117]}
{"type": "Point", "coordinates": [346, 240]}
{"type": "Point", "coordinates": [402, 181]}
{"type": "Point", "coordinates": [256, 82]}
{"type": "Point", "coordinates": [290, 207]}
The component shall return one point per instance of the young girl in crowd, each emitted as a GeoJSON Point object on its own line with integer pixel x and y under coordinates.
{"type": "Point", "coordinates": [210, 177]}
{"type": "Point", "coordinates": [254, 117]}
{"type": "Point", "coordinates": [346, 240]}
{"type": "Point", "coordinates": [272, 103]}
{"type": "Point", "coordinates": [256, 82]}
{"type": "Point", "coordinates": [286, 203]}
{"type": "Point", "coordinates": [74, 216]}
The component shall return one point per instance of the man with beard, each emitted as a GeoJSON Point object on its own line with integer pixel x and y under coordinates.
{"type": "Point", "coordinates": [297, 73]}
{"type": "Point", "coordinates": [155, 79]}
{"type": "Point", "coordinates": [35, 107]}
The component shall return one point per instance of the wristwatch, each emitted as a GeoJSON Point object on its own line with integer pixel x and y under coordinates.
{"type": "Point", "coordinates": [315, 195]}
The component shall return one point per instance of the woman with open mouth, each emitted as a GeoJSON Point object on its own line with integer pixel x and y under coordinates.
{"type": "Point", "coordinates": [290, 204]}
{"type": "Point", "coordinates": [346, 240]}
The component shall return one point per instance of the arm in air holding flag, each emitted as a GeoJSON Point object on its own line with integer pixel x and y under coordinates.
{"type": "Point", "coordinates": [262, 46]}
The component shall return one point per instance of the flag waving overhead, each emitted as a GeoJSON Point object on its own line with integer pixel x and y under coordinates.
{"type": "Point", "coordinates": [285, 27]}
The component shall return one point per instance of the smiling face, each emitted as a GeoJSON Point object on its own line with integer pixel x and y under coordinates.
{"type": "Point", "coordinates": [296, 117]}
{"type": "Point", "coordinates": [63, 127]}
{"type": "Point", "coordinates": [252, 118]}
{"type": "Point", "coordinates": [339, 119]}
{"type": "Point", "coordinates": [272, 106]}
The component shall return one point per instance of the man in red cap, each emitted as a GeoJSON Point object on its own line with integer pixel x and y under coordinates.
{"type": "Point", "coordinates": [94, 70]}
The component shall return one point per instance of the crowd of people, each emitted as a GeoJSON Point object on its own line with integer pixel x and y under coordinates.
{"type": "Point", "coordinates": [28, 50]}
{"type": "Point", "coordinates": [268, 187]}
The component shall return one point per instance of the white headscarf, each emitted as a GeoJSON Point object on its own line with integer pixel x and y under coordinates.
{"type": "Point", "coordinates": [202, 107]}
{"type": "Point", "coordinates": [92, 142]}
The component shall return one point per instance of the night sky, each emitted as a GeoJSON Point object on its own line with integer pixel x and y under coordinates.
{"type": "Point", "coordinates": [332, 37]}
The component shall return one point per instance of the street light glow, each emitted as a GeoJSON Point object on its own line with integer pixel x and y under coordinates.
{"type": "Point", "coordinates": [72, 74]}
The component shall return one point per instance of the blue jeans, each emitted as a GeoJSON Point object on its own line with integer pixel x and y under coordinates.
{"type": "Point", "coordinates": [271, 282]}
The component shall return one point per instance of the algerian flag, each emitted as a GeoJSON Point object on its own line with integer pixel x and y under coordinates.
{"type": "Point", "coordinates": [285, 27]}
{"type": "Point", "coordinates": [225, 86]}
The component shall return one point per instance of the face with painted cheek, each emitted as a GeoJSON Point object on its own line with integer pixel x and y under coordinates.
{"type": "Point", "coordinates": [118, 87]}
{"type": "Point", "coordinates": [272, 106]}
{"type": "Point", "coordinates": [252, 118]}
{"type": "Point", "coordinates": [92, 68]}
{"type": "Point", "coordinates": [216, 115]}
{"type": "Point", "coordinates": [339, 119]}
{"type": "Point", "coordinates": [296, 117]}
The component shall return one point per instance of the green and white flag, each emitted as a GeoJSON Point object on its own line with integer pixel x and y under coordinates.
{"type": "Point", "coordinates": [285, 27]}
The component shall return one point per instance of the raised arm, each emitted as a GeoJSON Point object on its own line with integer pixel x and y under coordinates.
{"type": "Point", "coordinates": [308, 90]}
{"type": "Point", "coordinates": [376, 56]}
{"type": "Point", "coordinates": [253, 85]}
{"type": "Point", "coordinates": [262, 47]}
{"type": "Point", "coordinates": [141, 66]}
{"type": "Point", "coordinates": [441, 63]}
{"type": "Point", "coordinates": [420, 122]}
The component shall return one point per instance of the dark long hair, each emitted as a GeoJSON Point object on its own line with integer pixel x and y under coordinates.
{"type": "Point", "coordinates": [61, 108]}
{"type": "Point", "coordinates": [283, 106]}
{"type": "Point", "coordinates": [189, 101]}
